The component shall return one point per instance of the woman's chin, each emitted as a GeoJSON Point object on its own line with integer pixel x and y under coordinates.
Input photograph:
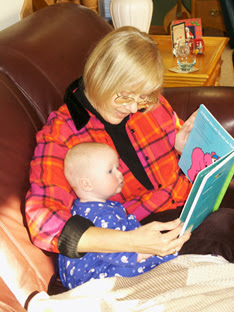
{"type": "Point", "coordinates": [115, 120]}
{"type": "Point", "coordinates": [118, 118]}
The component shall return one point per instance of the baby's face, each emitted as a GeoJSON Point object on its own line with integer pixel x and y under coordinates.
{"type": "Point", "coordinates": [106, 178]}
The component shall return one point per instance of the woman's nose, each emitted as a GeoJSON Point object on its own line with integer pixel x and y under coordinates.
{"type": "Point", "coordinates": [132, 108]}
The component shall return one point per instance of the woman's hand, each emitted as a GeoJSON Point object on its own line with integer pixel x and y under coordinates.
{"type": "Point", "coordinates": [148, 238]}
{"type": "Point", "coordinates": [183, 133]}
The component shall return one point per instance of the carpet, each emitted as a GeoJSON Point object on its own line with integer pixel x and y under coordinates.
{"type": "Point", "coordinates": [227, 72]}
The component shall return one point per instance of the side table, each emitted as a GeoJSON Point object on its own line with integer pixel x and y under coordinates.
{"type": "Point", "coordinates": [209, 63]}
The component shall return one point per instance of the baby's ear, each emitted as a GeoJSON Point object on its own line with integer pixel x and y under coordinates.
{"type": "Point", "coordinates": [85, 184]}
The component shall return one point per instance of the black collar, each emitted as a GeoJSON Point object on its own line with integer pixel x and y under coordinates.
{"type": "Point", "coordinates": [79, 106]}
{"type": "Point", "coordinates": [79, 114]}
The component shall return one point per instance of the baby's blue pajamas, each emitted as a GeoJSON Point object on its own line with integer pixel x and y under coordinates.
{"type": "Point", "coordinates": [112, 214]}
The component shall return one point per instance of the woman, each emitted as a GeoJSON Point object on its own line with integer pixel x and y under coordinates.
{"type": "Point", "coordinates": [117, 102]}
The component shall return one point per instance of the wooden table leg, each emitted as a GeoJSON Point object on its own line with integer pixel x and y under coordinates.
{"type": "Point", "coordinates": [30, 6]}
{"type": "Point", "coordinates": [214, 78]}
{"type": "Point", "coordinates": [27, 9]}
{"type": "Point", "coordinates": [74, 1]}
{"type": "Point", "coordinates": [91, 4]}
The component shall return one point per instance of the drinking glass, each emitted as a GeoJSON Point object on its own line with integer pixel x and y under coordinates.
{"type": "Point", "coordinates": [185, 54]}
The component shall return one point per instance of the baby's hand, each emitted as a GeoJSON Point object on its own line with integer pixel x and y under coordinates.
{"type": "Point", "coordinates": [141, 257]}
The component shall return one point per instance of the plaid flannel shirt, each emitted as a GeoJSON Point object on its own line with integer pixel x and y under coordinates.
{"type": "Point", "coordinates": [50, 197]}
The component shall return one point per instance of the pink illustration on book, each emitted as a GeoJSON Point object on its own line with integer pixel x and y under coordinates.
{"type": "Point", "coordinates": [200, 160]}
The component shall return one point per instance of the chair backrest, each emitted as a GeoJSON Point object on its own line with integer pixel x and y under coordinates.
{"type": "Point", "coordinates": [219, 100]}
{"type": "Point", "coordinates": [39, 57]}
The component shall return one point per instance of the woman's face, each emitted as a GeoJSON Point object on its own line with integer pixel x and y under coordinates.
{"type": "Point", "coordinates": [115, 113]}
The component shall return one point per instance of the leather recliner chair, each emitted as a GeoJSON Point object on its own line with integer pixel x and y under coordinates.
{"type": "Point", "coordinates": [39, 57]}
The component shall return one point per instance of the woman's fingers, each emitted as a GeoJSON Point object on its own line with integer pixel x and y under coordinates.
{"type": "Point", "coordinates": [150, 238]}
{"type": "Point", "coordinates": [167, 226]}
{"type": "Point", "coordinates": [190, 120]}
{"type": "Point", "coordinates": [175, 243]}
{"type": "Point", "coordinates": [183, 133]}
{"type": "Point", "coordinates": [171, 242]}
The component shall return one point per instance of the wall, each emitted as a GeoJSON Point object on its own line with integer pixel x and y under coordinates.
{"type": "Point", "coordinates": [9, 12]}
{"type": "Point", "coordinates": [162, 7]}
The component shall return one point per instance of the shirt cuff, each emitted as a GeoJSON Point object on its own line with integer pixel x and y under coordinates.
{"type": "Point", "coordinates": [71, 234]}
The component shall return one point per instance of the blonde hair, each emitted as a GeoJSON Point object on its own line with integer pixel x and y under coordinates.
{"type": "Point", "coordinates": [124, 60]}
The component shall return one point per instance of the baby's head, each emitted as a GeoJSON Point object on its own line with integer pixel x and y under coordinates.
{"type": "Point", "coordinates": [92, 171]}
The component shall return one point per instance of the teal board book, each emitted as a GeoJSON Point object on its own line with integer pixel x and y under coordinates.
{"type": "Point", "coordinates": [208, 162]}
{"type": "Point", "coordinates": [207, 192]}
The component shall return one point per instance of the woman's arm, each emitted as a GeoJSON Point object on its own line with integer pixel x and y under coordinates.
{"type": "Point", "coordinates": [50, 197]}
{"type": "Point", "coordinates": [146, 239]}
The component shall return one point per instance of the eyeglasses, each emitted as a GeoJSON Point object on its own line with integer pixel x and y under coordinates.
{"type": "Point", "coordinates": [144, 103]}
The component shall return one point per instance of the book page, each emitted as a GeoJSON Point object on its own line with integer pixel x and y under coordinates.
{"type": "Point", "coordinates": [207, 142]}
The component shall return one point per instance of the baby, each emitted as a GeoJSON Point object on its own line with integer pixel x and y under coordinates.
{"type": "Point", "coordinates": [92, 170]}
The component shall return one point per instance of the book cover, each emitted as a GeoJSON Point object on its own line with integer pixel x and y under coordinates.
{"type": "Point", "coordinates": [208, 162]}
{"type": "Point", "coordinates": [207, 192]}
{"type": "Point", "coordinates": [207, 142]}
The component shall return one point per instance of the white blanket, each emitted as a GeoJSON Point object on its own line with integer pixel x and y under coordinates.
{"type": "Point", "coordinates": [187, 283]}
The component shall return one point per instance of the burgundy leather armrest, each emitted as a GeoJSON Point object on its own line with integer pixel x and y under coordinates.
{"type": "Point", "coordinates": [8, 302]}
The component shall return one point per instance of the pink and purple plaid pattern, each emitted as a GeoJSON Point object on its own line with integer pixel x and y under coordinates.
{"type": "Point", "coordinates": [50, 198]}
